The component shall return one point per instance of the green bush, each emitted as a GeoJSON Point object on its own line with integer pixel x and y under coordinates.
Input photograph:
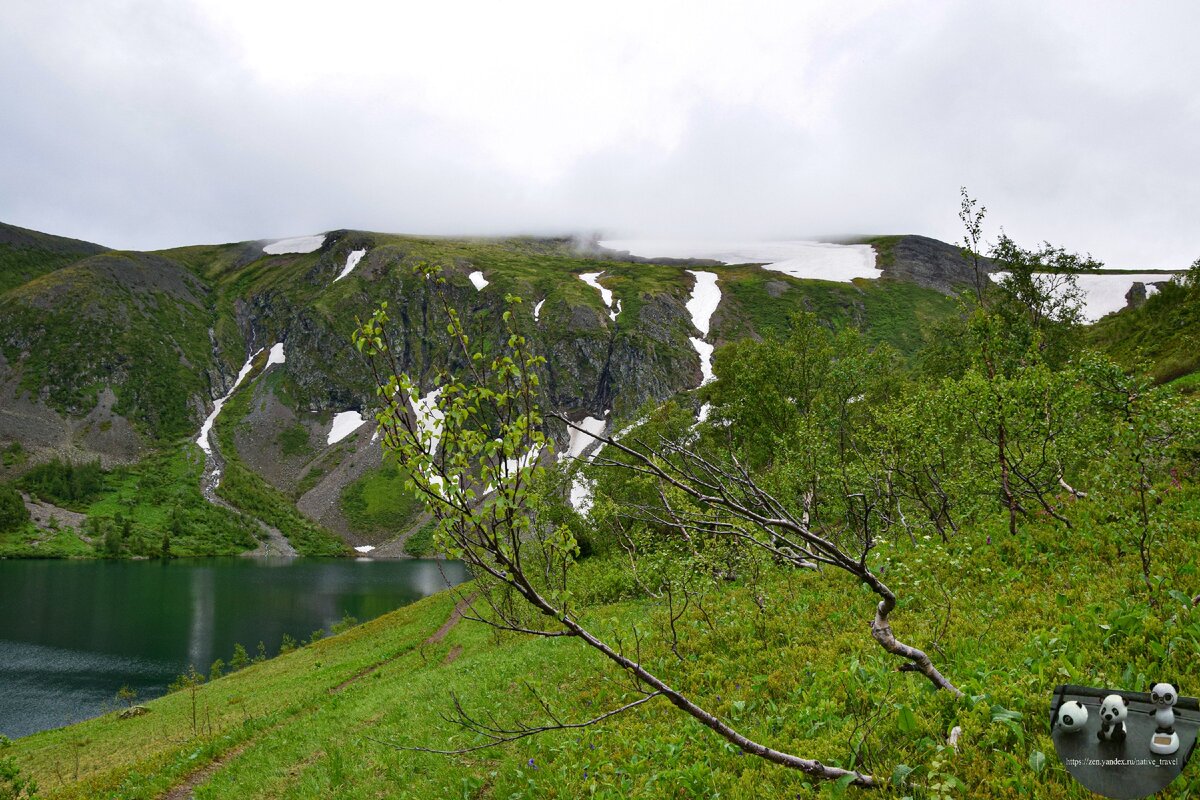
{"type": "Point", "coordinates": [13, 513]}
{"type": "Point", "coordinates": [64, 483]}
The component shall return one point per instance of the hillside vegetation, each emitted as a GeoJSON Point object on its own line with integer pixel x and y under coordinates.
{"type": "Point", "coordinates": [904, 520]}
{"type": "Point", "coordinates": [1014, 618]}
{"type": "Point", "coordinates": [116, 357]}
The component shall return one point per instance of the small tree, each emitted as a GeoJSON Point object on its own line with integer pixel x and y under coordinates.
{"type": "Point", "coordinates": [474, 457]}
{"type": "Point", "coordinates": [13, 513]}
{"type": "Point", "coordinates": [112, 541]}
{"type": "Point", "coordinates": [1029, 320]}
{"type": "Point", "coordinates": [240, 658]}
{"type": "Point", "coordinates": [190, 682]}
{"type": "Point", "coordinates": [1146, 427]}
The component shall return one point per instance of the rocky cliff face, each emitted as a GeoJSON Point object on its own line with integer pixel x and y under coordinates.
{"type": "Point", "coordinates": [927, 262]}
{"type": "Point", "coordinates": [120, 353]}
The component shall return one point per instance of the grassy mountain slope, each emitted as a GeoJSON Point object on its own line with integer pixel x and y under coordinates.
{"type": "Point", "coordinates": [131, 322]}
{"type": "Point", "coordinates": [1163, 333]}
{"type": "Point", "coordinates": [803, 678]}
{"type": "Point", "coordinates": [26, 254]}
{"type": "Point", "coordinates": [121, 354]}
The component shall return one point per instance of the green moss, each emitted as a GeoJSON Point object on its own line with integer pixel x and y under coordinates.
{"type": "Point", "coordinates": [379, 502]}
{"type": "Point", "coordinates": [420, 543]}
{"type": "Point", "coordinates": [293, 441]}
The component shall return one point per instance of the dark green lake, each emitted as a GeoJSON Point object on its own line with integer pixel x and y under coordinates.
{"type": "Point", "coordinates": [73, 632]}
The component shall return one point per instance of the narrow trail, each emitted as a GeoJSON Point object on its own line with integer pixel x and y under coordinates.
{"type": "Point", "coordinates": [459, 609]}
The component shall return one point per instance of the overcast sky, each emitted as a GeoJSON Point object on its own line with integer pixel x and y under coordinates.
{"type": "Point", "coordinates": [151, 123]}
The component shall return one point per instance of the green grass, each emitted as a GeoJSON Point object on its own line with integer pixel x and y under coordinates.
{"type": "Point", "coordinates": [379, 502]}
{"type": "Point", "coordinates": [1162, 334]}
{"type": "Point", "coordinates": [160, 495]}
{"type": "Point", "coordinates": [30, 542]}
{"type": "Point", "coordinates": [1025, 614]}
{"type": "Point", "coordinates": [895, 312]}
{"type": "Point", "coordinates": [293, 441]}
{"type": "Point", "coordinates": [420, 543]}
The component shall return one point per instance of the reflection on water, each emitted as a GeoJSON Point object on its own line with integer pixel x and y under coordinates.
{"type": "Point", "coordinates": [73, 632]}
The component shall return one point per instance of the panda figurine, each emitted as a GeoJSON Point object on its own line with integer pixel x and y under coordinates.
{"type": "Point", "coordinates": [1072, 716]}
{"type": "Point", "coordinates": [1164, 741]}
{"type": "Point", "coordinates": [1113, 713]}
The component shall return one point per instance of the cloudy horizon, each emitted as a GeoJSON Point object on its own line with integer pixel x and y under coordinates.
{"type": "Point", "coordinates": [144, 125]}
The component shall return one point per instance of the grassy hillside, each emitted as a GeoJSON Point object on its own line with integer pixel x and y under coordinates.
{"type": "Point", "coordinates": [1163, 333]}
{"type": "Point", "coordinates": [758, 302]}
{"type": "Point", "coordinates": [1026, 616]}
{"type": "Point", "coordinates": [127, 321]}
{"type": "Point", "coordinates": [141, 505]}
{"type": "Point", "coordinates": [143, 342]}
{"type": "Point", "coordinates": [26, 254]}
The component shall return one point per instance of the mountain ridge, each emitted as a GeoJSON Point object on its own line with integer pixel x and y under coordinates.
{"type": "Point", "coordinates": [115, 355]}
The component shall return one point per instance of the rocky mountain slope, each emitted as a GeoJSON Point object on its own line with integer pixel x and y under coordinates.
{"type": "Point", "coordinates": [114, 356]}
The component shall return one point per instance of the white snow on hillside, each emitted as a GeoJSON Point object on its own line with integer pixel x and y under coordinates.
{"type": "Point", "coordinates": [478, 279]}
{"type": "Point", "coordinates": [276, 356]}
{"type": "Point", "coordinates": [581, 494]}
{"type": "Point", "coordinates": [706, 352]}
{"type": "Point", "coordinates": [351, 262]}
{"type": "Point", "coordinates": [202, 439]}
{"type": "Point", "coordinates": [511, 465]}
{"type": "Point", "coordinates": [429, 416]}
{"type": "Point", "coordinates": [365, 548]}
{"type": "Point", "coordinates": [1104, 293]}
{"type": "Point", "coordinates": [800, 259]}
{"type": "Point", "coordinates": [297, 244]}
{"type": "Point", "coordinates": [706, 296]}
{"type": "Point", "coordinates": [581, 440]}
{"type": "Point", "coordinates": [344, 424]}
{"type": "Point", "coordinates": [705, 299]}
{"type": "Point", "coordinates": [537, 310]}
{"type": "Point", "coordinates": [593, 279]}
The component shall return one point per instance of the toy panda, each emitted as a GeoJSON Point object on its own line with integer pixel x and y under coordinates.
{"type": "Point", "coordinates": [1072, 716]}
{"type": "Point", "coordinates": [1113, 712]}
{"type": "Point", "coordinates": [1164, 741]}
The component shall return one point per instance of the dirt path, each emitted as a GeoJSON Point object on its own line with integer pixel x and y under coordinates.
{"type": "Point", "coordinates": [184, 791]}
{"type": "Point", "coordinates": [459, 609]}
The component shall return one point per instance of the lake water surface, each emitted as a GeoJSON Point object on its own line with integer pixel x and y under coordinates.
{"type": "Point", "coordinates": [73, 632]}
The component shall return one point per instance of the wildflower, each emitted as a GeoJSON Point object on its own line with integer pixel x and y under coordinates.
{"type": "Point", "coordinates": [531, 764]}
{"type": "Point", "coordinates": [989, 541]}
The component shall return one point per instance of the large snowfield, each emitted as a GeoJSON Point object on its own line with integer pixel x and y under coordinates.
{"type": "Point", "coordinates": [800, 259]}
{"type": "Point", "coordinates": [1104, 293]}
{"type": "Point", "coordinates": [297, 244]}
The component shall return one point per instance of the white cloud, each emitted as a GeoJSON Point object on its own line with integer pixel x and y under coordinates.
{"type": "Point", "coordinates": [143, 124]}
